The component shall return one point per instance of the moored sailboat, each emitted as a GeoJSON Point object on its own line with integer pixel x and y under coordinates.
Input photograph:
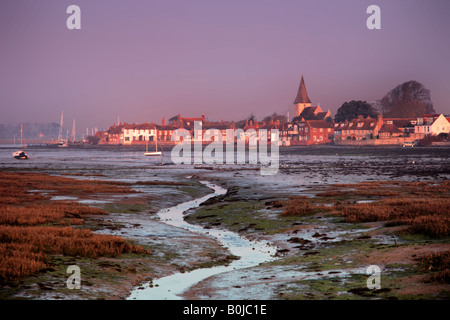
{"type": "Point", "coordinates": [152, 153]}
{"type": "Point", "coordinates": [21, 154]}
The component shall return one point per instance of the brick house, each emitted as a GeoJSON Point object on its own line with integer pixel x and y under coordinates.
{"type": "Point", "coordinates": [114, 135]}
{"type": "Point", "coordinates": [314, 132]}
{"type": "Point", "coordinates": [358, 129]}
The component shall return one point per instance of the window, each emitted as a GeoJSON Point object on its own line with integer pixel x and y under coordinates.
{"type": "Point", "coordinates": [314, 129]}
{"type": "Point", "coordinates": [321, 130]}
{"type": "Point", "coordinates": [127, 138]}
{"type": "Point", "coordinates": [306, 129]}
{"type": "Point", "coordinates": [314, 138]}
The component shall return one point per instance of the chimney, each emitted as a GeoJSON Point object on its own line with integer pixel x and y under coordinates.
{"type": "Point", "coordinates": [163, 121]}
{"type": "Point", "coordinates": [360, 117]}
{"type": "Point", "coordinates": [379, 123]}
{"type": "Point", "coordinates": [204, 118]}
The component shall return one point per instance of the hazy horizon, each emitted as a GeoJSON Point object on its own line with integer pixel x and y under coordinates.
{"type": "Point", "coordinates": [145, 60]}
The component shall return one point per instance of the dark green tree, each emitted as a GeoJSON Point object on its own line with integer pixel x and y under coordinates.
{"type": "Point", "coordinates": [352, 109]}
{"type": "Point", "coordinates": [275, 117]}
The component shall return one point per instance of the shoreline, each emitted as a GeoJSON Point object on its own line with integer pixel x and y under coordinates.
{"type": "Point", "coordinates": [169, 145]}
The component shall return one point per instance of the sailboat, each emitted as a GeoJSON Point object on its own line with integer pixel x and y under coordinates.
{"type": "Point", "coordinates": [61, 143]}
{"type": "Point", "coordinates": [152, 153]}
{"type": "Point", "coordinates": [20, 154]}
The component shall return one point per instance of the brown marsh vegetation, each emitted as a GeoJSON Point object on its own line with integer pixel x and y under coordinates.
{"type": "Point", "coordinates": [422, 207]}
{"type": "Point", "coordinates": [298, 206]}
{"type": "Point", "coordinates": [32, 227]}
{"type": "Point", "coordinates": [419, 211]}
{"type": "Point", "coordinates": [439, 263]}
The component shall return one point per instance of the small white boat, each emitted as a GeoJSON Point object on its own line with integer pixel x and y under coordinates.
{"type": "Point", "coordinates": [152, 153]}
{"type": "Point", "coordinates": [64, 143]}
{"type": "Point", "coordinates": [21, 154]}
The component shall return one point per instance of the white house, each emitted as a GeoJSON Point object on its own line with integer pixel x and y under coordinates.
{"type": "Point", "coordinates": [432, 124]}
{"type": "Point", "coordinates": [139, 132]}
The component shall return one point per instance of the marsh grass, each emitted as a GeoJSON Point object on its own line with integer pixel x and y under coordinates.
{"type": "Point", "coordinates": [298, 206]}
{"type": "Point", "coordinates": [32, 227]}
{"type": "Point", "coordinates": [13, 182]}
{"type": "Point", "coordinates": [423, 207]}
{"type": "Point", "coordinates": [439, 264]}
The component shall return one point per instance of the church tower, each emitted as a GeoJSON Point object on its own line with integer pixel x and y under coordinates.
{"type": "Point", "coordinates": [302, 101]}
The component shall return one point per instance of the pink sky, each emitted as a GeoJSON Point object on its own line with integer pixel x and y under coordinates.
{"type": "Point", "coordinates": [144, 60]}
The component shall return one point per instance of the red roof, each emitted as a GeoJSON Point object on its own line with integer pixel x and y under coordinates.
{"type": "Point", "coordinates": [390, 128]}
{"type": "Point", "coordinates": [142, 126]}
{"type": "Point", "coordinates": [166, 127]}
{"type": "Point", "coordinates": [115, 129]}
{"type": "Point", "coordinates": [319, 124]}
{"type": "Point", "coordinates": [357, 124]}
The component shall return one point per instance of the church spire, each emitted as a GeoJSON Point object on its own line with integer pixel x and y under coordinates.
{"type": "Point", "coordinates": [302, 95]}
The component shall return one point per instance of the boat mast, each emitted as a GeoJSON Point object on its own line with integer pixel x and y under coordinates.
{"type": "Point", "coordinates": [60, 128]}
{"type": "Point", "coordinates": [73, 131]}
{"type": "Point", "coordinates": [21, 135]}
{"type": "Point", "coordinates": [22, 139]}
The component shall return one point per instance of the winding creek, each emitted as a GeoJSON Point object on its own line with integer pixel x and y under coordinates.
{"type": "Point", "coordinates": [251, 253]}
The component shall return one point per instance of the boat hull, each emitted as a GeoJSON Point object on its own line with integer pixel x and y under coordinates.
{"type": "Point", "coordinates": [156, 153]}
{"type": "Point", "coordinates": [20, 155]}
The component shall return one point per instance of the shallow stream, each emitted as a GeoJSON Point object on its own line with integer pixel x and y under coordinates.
{"type": "Point", "coordinates": [251, 253]}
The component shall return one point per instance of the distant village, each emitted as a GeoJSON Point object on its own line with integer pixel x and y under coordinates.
{"type": "Point", "coordinates": [310, 126]}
